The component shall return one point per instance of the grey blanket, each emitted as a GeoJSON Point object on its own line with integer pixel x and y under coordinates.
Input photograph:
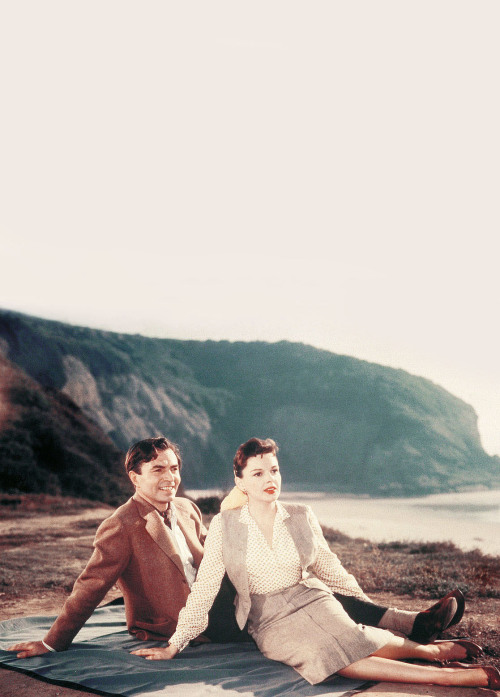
{"type": "Point", "coordinates": [99, 659]}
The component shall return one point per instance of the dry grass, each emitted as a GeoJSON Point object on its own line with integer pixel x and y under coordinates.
{"type": "Point", "coordinates": [424, 570]}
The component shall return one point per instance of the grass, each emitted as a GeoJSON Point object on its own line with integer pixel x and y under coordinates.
{"type": "Point", "coordinates": [424, 570]}
{"type": "Point", "coordinates": [26, 505]}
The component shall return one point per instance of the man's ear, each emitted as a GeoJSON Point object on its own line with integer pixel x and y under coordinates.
{"type": "Point", "coordinates": [133, 477]}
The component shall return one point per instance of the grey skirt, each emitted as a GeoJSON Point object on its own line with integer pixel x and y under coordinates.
{"type": "Point", "coordinates": [308, 629]}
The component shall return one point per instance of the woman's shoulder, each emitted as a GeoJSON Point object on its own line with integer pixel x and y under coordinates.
{"type": "Point", "coordinates": [229, 514]}
{"type": "Point", "coordinates": [295, 508]}
{"type": "Point", "coordinates": [214, 528]}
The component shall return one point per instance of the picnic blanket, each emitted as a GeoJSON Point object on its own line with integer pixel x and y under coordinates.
{"type": "Point", "coordinates": [99, 659]}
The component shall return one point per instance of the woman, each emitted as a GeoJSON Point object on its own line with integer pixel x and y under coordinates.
{"type": "Point", "coordinates": [283, 571]}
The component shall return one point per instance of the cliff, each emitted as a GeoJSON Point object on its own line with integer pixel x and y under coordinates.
{"type": "Point", "coordinates": [47, 445]}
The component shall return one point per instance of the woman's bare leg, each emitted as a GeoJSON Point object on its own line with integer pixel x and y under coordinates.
{"type": "Point", "coordinates": [400, 647]}
{"type": "Point", "coordinates": [388, 670]}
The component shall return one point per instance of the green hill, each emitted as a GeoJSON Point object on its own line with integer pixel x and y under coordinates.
{"type": "Point", "coordinates": [342, 424]}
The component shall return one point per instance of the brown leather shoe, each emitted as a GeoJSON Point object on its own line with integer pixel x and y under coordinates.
{"type": "Point", "coordinates": [430, 623]}
{"type": "Point", "coordinates": [493, 677]}
{"type": "Point", "coordinates": [473, 650]}
{"type": "Point", "coordinates": [459, 597]}
{"type": "Point", "coordinates": [492, 673]}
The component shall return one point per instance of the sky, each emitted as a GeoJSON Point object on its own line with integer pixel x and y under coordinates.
{"type": "Point", "coordinates": [322, 172]}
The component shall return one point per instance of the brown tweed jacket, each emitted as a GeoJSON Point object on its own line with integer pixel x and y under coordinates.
{"type": "Point", "coordinates": [135, 550]}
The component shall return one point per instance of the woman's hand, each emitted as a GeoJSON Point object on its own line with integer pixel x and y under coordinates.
{"type": "Point", "coordinates": [164, 654]}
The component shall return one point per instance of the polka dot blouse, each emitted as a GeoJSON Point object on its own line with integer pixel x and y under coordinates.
{"type": "Point", "coordinates": [270, 569]}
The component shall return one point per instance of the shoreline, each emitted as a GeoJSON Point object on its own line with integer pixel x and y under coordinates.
{"type": "Point", "coordinates": [456, 518]}
{"type": "Point", "coordinates": [470, 520]}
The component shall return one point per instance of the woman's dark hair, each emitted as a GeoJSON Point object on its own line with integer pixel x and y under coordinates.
{"type": "Point", "coordinates": [147, 450]}
{"type": "Point", "coordinates": [254, 446]}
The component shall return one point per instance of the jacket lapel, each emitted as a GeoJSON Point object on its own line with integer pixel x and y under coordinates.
{"type": "Point", "coordinates": [301, 533]}
{"type": "Point", "coordinates": [158, 531]}
{"type": "Point", "coordinates": [234, 549]}
{"type": "Point", "coordinates": [186, 525]}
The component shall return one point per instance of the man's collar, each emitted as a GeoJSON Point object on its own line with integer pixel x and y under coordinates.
{"type": "Point", "coordinates": [144, 502]}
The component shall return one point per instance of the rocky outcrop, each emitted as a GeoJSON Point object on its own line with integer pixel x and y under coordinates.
{"type": "Point", "coordinates": [47, 444]}
{"type": "Point", "coordinates": [81, 386]}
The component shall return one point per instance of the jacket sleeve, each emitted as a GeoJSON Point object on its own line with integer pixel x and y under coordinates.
{"type": "Point", "coordinates": [328, 568]}
{"type": "Point", "coordinates": [111, 555]}
{"type": "Point", "coordinates": [193, 618]}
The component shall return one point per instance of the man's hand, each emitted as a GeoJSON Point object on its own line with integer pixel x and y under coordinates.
{"type": "Point", "coordinates": [164, 654]}
{"type": "Point", "coordinates": [27, 649]}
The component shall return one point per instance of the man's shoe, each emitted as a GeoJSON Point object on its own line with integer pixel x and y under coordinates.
{"type": "Point", "coordinates": [430, 623]}
{"type": "Point", "coordinates": [459, 597]}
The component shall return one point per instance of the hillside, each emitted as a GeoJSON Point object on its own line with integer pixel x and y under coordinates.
{"type": "Point", "coordinates": [47, 445]}
{"type": "Point", "coordinates": [342, 424]}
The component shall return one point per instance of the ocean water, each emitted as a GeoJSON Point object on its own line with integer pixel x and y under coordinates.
{"type": "Point", "coordinates": [471, 520]}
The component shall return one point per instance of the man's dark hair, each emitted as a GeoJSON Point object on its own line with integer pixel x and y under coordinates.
{"type": "Point", "coordinates": [252, 447]}
{"type": "Point", "coordinates": [147, 450]}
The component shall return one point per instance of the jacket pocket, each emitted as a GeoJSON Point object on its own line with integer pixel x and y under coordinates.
{"type": "Point", "coordinates": [154, 630]}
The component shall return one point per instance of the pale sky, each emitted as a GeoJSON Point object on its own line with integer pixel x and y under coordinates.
{"type": "Point", "coordinates": [324, 172]}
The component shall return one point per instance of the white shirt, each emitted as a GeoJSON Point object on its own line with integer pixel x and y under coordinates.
{"type": "Point", "coordinates": [183, 549]}
{"type": "Point", "coordinates": [270, 569]}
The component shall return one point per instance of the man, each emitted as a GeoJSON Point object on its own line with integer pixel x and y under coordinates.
{"type": "Point", "coordinates": [151, 548]}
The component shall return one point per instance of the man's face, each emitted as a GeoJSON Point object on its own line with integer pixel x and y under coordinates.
{"type": "Point", "coordinates": [159, 479]}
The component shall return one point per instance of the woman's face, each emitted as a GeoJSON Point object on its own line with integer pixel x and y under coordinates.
{"type": "Point", "coordinates": [261, 478]}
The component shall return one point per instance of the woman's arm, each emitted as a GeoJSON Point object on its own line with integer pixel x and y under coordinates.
{"type": "Point", "coordinates": [193, 618]}
{"type": "Point", "coordinates": [328, 567]}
